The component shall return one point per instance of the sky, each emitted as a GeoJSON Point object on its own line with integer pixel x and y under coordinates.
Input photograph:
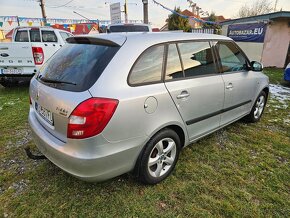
{"type": "Point", "coordinates": [100, 9]}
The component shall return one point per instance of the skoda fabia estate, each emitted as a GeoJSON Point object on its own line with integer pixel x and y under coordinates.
{"type": "Point", "coordinates": [110, 104]}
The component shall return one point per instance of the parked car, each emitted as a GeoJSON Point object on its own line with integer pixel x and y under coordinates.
{"type": "Point", "coordinates": [115, 103]}
{"type": "Point", "coordinates": [287, 73]}
{"type": "Point", "coordinates": [128, 27]}
{"type": "Point", "coordinates": [30, 48]}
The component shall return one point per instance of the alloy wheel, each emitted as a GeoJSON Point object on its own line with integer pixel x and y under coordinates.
{"type": "Point", "coordinates": [162, 157]}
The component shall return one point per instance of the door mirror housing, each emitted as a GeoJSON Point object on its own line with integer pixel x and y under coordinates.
{"type": "Point", "coordinates": [256, 66]}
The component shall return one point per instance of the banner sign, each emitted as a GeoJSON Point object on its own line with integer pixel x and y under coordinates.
{"type": "Point", "coordinates": [250, 32]}
{"type": "Point", "coordinates": [115, 12]}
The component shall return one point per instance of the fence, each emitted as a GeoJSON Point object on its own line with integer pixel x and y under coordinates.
{"type": "Point", "coordinates": [208, 31]}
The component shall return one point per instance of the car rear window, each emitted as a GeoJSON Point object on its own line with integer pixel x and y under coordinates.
{"type": "Point", "coordinates": [76, 67]}
{"type": "Point", "coordinates": [124, 28]}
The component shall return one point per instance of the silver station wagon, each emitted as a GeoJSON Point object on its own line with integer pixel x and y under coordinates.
{"type": "Point", "coordinates": [110, 104]}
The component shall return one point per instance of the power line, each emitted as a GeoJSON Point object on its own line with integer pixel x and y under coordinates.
{"type": "Point", "coordinates": [59, 6]}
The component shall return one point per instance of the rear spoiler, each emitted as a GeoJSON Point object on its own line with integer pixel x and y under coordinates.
{"type": "Point", "coordinates": [92, 40]}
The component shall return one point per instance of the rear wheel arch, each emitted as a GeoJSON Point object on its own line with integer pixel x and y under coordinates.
{"type": "Point", "coordinates": [176, 128]}
{"type": "Point", "coordinates": [179, 132]}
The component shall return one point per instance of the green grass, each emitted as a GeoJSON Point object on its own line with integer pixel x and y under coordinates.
{"type": "Point", "coordinates": [240, 171]}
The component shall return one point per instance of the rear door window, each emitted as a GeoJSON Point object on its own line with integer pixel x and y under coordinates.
{"type": "Point", "coordinates": [48, 36]}
{"type": "Point", "coordinates": [76, 67]}
{"type": "Point", "coordinates": [148, 67]}
{"type": "Point", "coordinates": [22, 36]}
{"type": "Point", "coordinates": [197, 59]}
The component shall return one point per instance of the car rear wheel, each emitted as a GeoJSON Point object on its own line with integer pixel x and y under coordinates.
{"type": "Point", "coordinates": [159, 157]}
{"type": "Point", "coordinates": [257, 109]}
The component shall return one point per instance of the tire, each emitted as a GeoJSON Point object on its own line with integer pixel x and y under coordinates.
{"type": "Point", "coordinates": [258, 108]}
{"type": "Point", "coordinates": [159, 157]}
{"type": "Point", "coordinates": [7, 83]}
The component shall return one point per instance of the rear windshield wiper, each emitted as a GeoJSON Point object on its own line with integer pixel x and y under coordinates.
{"type": "Point", "coordinates": [56, 81]}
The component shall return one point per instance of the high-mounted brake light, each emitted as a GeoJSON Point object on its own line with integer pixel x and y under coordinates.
{"type": "Point", "coordinates": [38, 55]}
{"type": "Point", "coordinates": [90, 117]}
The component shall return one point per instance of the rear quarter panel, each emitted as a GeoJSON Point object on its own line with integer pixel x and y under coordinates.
{"type": "Point", "coordinates": [130, 119]}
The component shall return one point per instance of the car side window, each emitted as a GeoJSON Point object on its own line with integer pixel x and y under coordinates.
{"type": "Point", "coordinates": [173, 66]}
{"type": "Point", "coordinates": [21, 36]}
{"type": "Point", "coordinates": [231, 58]}
{"type": "Point", "coordinates": [48, 36]}
{"type": "Point", "coordinates": [197, 58]}
{"type": "Point", "coordinates": [148, 67]}
{"type": "Point", "coordinates": [64, 35]}
{"type": "Point", "coordinates": [35, 36]}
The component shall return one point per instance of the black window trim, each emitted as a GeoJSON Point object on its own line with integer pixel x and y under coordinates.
{"type": "Point", "coordinates": [165, 61]}
{"type": "Point", "coordinates": [180, 59]}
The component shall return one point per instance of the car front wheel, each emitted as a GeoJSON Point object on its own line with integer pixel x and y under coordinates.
{"type": "Point", "coordinates": [257, 109]}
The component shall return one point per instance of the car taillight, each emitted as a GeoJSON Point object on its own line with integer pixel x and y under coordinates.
{"type": "Point", "coordinates": [90, 117]}
{"type": "Point", "coordinates": [38, 55]}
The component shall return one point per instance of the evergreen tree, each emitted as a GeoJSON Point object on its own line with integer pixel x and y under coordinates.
{"type": "Point", "coordinates": [176, 22]}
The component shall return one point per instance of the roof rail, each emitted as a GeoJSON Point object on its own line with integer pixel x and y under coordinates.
{"type": "Point", "coordinates": [19, 27]}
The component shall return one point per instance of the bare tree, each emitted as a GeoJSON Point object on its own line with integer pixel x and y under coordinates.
{"type": "Point", "coordinates": [256, 8]}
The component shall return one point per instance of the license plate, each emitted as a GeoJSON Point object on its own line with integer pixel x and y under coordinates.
{"type": "Point", "coordinates": [11, 71]}
{"type": "Point", "coordinates": [44, 113]}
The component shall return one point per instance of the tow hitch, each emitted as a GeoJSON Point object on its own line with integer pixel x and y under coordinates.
{"type": "Point", "coordinates": [32, 156]}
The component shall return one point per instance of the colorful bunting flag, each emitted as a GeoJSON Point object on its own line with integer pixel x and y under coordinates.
{"type": "Point", "coordinates": [1, 24]}
{"type": "Point", "coordinates": [10, 22]}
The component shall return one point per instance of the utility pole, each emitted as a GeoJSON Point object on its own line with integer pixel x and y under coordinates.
{"type": "Point", "coordinates": [126, 11]}
{"type": "Point", "coordinates": [275, 7]}
{"type": "Point", "coordinates": [43, 11]}
{"type": "Point", "coordinates": [17, 18]}
{"type": "Point", "coordinates": [145, 11]}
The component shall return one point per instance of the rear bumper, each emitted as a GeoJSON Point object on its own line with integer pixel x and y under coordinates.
{"type": "Point", "coordinates": [93, 159]}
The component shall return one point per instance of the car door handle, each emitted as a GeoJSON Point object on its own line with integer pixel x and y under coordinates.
{"type": "Point", "coordinates": [229, 86]}
{"type": "Point", "coordinates": [183, 94]}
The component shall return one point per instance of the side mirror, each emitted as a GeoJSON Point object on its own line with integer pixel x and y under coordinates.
{"type": "Point", "coordinates": [256, 66]}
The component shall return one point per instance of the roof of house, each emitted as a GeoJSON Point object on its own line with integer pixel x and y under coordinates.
{"type": "Point", "coordinates": [189, 13]}
{"type": "Point", "coordinates": [270, 16]}
{"type": "Point", "coordinates": [219, 18]}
